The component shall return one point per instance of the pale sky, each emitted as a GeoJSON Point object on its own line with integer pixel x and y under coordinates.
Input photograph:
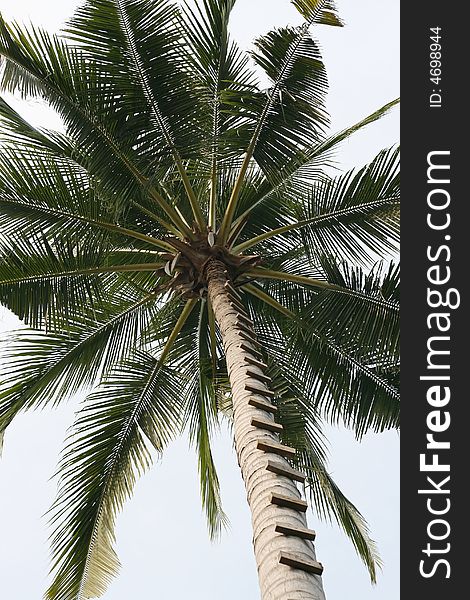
{"type": "Point", "coordinates": [161, 536]}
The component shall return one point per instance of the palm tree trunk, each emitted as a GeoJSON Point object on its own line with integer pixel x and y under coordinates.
{"type": "Point", "coordinates": [280, 533]}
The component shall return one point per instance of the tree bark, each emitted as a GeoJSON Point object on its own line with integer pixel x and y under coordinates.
{"type": "Point", "coordinates": [277, 581]}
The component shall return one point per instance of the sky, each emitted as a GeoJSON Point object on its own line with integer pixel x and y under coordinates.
{"type": "Point", "coordinates": [161, 536]}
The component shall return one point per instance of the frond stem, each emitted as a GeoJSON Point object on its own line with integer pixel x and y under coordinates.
{"type": "Point", "coordinates": [129, 35]}
{"type": "Point", "coordinates": [283, 73]}
{"type": "Point", "coordinates": [177, 328]}
{"type": "Point", "coordinates": [320, 284]}
{"type": "Point", "coordinates": [169, 210]}
{"type": "Point", "coordinates": [318, 219]}
{"type": "Point", "coordinates": [254, 291]}
{"type": "Point", "coordinates": [100, 224]}
{"type": "Point", "coordinates": [89, 271]}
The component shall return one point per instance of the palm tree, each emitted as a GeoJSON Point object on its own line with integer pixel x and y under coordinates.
{"type": "Point", "coordinates": [185, 254]}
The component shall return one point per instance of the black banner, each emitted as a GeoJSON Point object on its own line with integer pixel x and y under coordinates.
{"type": "Point", "coordinates": [435, 324]}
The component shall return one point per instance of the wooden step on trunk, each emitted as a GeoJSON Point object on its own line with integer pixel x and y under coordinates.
{"type": "Point", "coordinates": [298, 562]}
{"type": "Point", "coordinates": [294, 531]}
{"type": "Point", "coordinates": [245, 319]}
{"type": "Point", "coordinates": [239, 310]}
{"type": "Point", "coordinates": [289, 502]}
{"type": "Point", "coordinates": [244, 337]}
{"type": "Point", "coordinates": [255, 362]}
{"type": "Point", "coordinates": [247, 348]}
{"type": "Point", "coordinates": [246, 328]}
{"type": "Point", "coordinates": [263, 405]}
{"type": "Point", "coordinates": [232, 291]}
{"type": "Point", "coordinates": [237, 305]}
{"type": "Point", "coordinates": [261, 391]}
{"type": "Point", "coordinates": [276, 448]}
{"type": "Point", "coordinates": [259, 376]}
{"type": "Point", "coordinates": [285, 471]}
{"type": "Point", "coordinates": [264, 424]}
{"type": "Point", "coordinates": [248, 336]}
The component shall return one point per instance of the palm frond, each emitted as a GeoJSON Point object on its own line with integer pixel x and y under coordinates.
{"type": "Point", "coordinates": [293, 183]}
{"type": "Point", "coordinates": [292, 61]}
{"type": "Point", "coordinates": [323, 152]}
{"type": "Point", "coordinates": [15, 130]}
{"type": "Point", "coordinates": [347, 300]}
{"type": "Point", "coordinates": [296, 116]}
{"type": "Point", "coordinates": [90, 105]}
{"type": "Point", "coordinates": [107, 450]}
{"type": "Point", "coordinates": [47, 286]}
{"type": "Point", "coordinates": [140, 29]}
{"type": "Point", "coordinates": [390, 289]}
{"type": "Point", "coordinates": [46, 195]}
{"type": "Point", "coordinates": [29, 144]}
{"type": "Point", "coordinates": [357, 388]}
{"type": "Point", "coordinates": [359, 310]}
{"type": "Point", "coordinates": [223, 75]}
{"type": "Point", "coordinates": [186, 346]}
{"type": "Point", "coordinates": [43, 368]}
{"type": "Point", "coordinates": [38, 65]}
{"type": "Point", "coordinates": [321, 12]}
{"type": "Point", "coordinates": [355, 215]}
{"type": "Point", "coordinates": [202, 413]}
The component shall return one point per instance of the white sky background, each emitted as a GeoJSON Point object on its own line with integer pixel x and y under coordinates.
{"type": "Point", "coordinates": [162, 539]}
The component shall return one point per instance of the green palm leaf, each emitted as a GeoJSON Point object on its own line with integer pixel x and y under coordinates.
{"type": "Point", "coordinates": [322, 12]}
{"type": "Point", "coordinates": [296, 117]}
{"type": "Point", "coordinates": [140, 29]}
{"type": "Point", "coordinates": [205, 375]}
{"type": "Point", "coordinates": [355, 214]}
{"type": "Point", "coordinates": [358, 211]}
{"type": "Point", "coordinates": [223, 76]}
{"type": "Point", "coordinates": [49, 286]}
{"type": "Point", "coordinates": [38, 64]}
{"type": "Point", "coordinates": [347, 384]}
{"type": "Point", "coordinates": [293, 183]}
{"type": "Point", "coordinates": [46, 368]}
{"type": "Point", "coordinates": [108, 448]}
